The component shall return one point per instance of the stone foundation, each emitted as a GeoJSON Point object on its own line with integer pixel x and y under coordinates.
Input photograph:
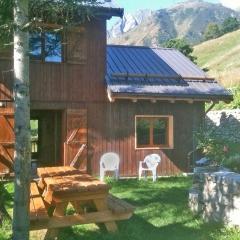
{"type": "Point", "coordinates": [216, 196]}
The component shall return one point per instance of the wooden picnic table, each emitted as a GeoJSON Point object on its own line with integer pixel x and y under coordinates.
{"type": "Point", "coordinates": [53, 172]}
{"type": "Point", "coordinates": [63, 185]}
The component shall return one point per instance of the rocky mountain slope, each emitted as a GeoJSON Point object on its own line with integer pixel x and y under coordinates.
{"type": "Point", "coordinates": [222, 57]}
{"type": "Point", "coordinates": [187, 19]}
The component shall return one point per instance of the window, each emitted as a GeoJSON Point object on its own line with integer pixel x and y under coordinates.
{"type": "Point", "coordinates": [46, 46]}
{"type": "Point", "coordinates": [34, 124]}
{"type": "Point", "coordinates": [154, 132]}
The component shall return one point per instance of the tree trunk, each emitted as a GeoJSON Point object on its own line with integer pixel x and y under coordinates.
{"type": "Point", "coordinates": [22, 155]}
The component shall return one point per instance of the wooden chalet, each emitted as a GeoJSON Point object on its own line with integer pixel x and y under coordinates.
{"type": "Point", "coordinates": [88, 98]}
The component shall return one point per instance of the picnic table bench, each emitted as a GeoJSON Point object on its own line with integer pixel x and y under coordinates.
{"type": "Point", "coordinates": [58, 187]}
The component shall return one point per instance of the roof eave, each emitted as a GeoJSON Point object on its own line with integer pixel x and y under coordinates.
{"type": "Point", "coordinates": [178, 97]}
{"type": "Point", "coordinates": [110, 12]}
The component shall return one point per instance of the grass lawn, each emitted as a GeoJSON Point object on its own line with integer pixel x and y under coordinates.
{"type": "Point", "coordinates": [161, 213]}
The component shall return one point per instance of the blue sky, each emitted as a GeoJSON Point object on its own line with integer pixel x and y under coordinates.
{"type": "Point", "coordinates": [134, 5]}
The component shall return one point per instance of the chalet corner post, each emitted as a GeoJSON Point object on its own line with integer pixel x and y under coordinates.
{"type": "Point", "coordinates": [22, 155]}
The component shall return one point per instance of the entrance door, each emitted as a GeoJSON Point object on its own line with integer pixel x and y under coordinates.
{"type": "Point", "coordinates": [75, 145]}
{"type": "Point", "coordinates": [7, 139]}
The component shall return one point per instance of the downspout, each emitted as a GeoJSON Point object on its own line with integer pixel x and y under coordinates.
{"type": "Point", "coordinates": [210, 108]}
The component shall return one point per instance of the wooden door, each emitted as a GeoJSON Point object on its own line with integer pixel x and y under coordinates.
{"type": "Point", "coordinates": [7, 139]}
{"type": "Point", "coordinates": [75, 145]}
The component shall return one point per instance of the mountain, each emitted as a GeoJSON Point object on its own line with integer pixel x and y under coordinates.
{"type": "Point", "coordinates": [222, 57]}
{"type": "Point", "coordinates": [185, 20]}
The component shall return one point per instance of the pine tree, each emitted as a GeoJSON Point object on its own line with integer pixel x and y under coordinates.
{"type": "Point", "coordinates": [212, 31]}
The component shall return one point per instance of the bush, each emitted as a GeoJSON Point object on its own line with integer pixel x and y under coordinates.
{"type": "Point", "coordinates": [212, 31]}
{"type": "Point", "coordinates": [181, 45]}
{"type": "Point", "coordinates": [233, 163]}
{"type": "Point", "coordinates": [213, 147]}
{"type": "Point", "coordinates": [230, 24]}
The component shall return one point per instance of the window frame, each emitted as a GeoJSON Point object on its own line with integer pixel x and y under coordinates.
{"type": "Point", "coordinates": [170, 132]}
{"type": "Point", "coordinates": [42, 56]}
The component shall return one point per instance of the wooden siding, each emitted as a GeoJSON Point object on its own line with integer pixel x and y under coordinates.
{"type": "Point", "coordinates": [111, 127]}
{"type": "Point", "coordinates": [66, 82]}
{"type": "Point", "coordinates": [6, 80]}
{"type": "Point", "coordinates": [7, 137]}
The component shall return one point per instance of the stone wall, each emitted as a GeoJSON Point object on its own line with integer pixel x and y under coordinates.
{"type": "Point", "coordinates": [216, 196]}
{"type": "Point", "coordinates": [226, 124]}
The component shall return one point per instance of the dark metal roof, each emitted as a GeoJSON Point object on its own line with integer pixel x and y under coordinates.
{"type": "Point", "coordinates": [110, 8]}
{"type": "Point", "coordinates": [158, 72]}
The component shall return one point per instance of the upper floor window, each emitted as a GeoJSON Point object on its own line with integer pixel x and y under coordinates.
{"type": "Point", "coordinates": [154, 131]}
{"type": "Point", "coordinates": [46, 46]}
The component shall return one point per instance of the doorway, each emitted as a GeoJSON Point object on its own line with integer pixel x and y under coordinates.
{"type": "Point", "coordinates": [46, 137]}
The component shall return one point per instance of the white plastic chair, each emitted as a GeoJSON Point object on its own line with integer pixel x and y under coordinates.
{"type": "Point", "coordinates": [109, 162]}
{"type": "Point", "coordinates": [151, 163]}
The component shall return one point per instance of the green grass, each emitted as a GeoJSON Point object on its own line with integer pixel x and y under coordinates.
{"type": "Point", "coordinates": [211, 52]}
{"type": "Point", "coordinates": [161, 213]}
{"type": "Point", "coordinates": [221, 56]}
{"type": "Point", "coordinates": [5, 229]}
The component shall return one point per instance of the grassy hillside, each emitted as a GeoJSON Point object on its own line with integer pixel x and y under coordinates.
{"type": "Point", "coordinates": [222, 57]}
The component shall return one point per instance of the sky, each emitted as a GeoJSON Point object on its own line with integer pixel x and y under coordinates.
{"type": "Point", "coordinates": [131, 6]}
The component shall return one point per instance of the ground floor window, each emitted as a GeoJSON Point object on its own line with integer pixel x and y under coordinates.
{"type": "Point", "coordinates": [154, 131]}
{"type": "Point", "coordinates": [34, 124]}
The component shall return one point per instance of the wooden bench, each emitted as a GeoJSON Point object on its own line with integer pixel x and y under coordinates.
{"type": "Point", "coordinates": [37, 209]}
{"type": "Point", "coordinates": [118, 210]}
{"type": "Point", "coordinates": [120, 207]}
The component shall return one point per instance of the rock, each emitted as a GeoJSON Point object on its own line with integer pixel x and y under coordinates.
{"type": "Point", "coordinates": [217, 196]}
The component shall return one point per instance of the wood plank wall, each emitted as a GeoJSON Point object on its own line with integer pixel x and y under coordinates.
{"type": "Point", "coordinates": [111, 127]}
{"type": "Point", "coordinates": [66, 82]}
{"type": "Point", "coordinates": [6, 80]}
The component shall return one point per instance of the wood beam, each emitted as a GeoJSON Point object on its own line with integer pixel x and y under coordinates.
{"type": "Point", "coordinates": [51, 26]}
{"type": "Point", "coordinates": [66, 221]}
{"type": "Point", "coordinates": [190, 101]}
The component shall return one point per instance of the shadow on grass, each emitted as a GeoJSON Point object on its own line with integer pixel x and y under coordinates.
{"type": "Point", "coordinates": [138, 229]}
{"type": "Point", "coordinates": [142, 193]}
{"type": "Point", "coordinates": [161, 213]}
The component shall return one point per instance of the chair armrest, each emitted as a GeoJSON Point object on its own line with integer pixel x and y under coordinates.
{"type": "Point", "coordinates": [140, 163]}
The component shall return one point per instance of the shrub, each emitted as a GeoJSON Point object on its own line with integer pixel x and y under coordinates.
{"type": "Point", "coordinates": [181, 45]}
{"type": "Point", "coordinates": [230, 24]}
{"type": "Point", "coordinates": [233, 163]}
{"type": "Point", "coordinates": [213, 147]}
{"type": "Point", "coordinates": [212, 31]}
